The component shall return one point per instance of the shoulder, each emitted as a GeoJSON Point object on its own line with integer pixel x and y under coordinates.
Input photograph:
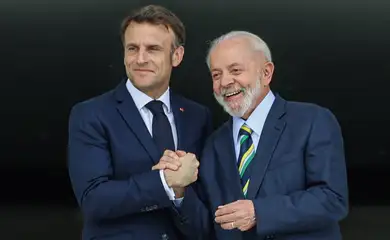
{"type": "Point", "coordinates": [308, 108]}
{"type": "Point", "coordinates": [310, 114]}
{"type": "Point", "coordinates": [92, 107]}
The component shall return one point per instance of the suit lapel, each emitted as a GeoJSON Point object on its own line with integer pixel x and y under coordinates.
{"type": "Point", "coordinates": [180, 116]}
{"type": "Point", "coordinates": [227, 157]}
{"type": "Point", "coordinates": [129, 112]}
{"type": "Point", "coordinates": [272, 130]}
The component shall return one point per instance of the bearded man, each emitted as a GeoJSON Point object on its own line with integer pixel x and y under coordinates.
{"type": "Point", "coordinates": [276, 169]}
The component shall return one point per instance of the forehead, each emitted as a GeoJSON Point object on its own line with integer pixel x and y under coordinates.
{"type": "Point", "coordinates": [229, 51]}
{"type": "Point", "coordinates": [145, 33]}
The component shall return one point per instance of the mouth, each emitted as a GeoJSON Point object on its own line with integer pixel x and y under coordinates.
{"type": "Point", "coordinates": [143, 70]}
{"type": "Point", "coordinates": [232, 95]}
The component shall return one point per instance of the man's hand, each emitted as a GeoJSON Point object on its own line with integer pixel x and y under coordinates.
{"type": "Point", "coordinates": [170, 160]}
{"type": "Point", "coordinates": [185, 175]}
{"type": "Point", "coordinates": [239, 214]}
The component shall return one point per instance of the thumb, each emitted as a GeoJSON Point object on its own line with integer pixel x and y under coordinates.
{"type": "Point", "coordinates": [158, 166]}
{"type": "Point", "coordinates": [181, 153]}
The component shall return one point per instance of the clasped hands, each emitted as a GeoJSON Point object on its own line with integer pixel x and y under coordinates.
{"type": "Point", "coordinates": [180, 169]}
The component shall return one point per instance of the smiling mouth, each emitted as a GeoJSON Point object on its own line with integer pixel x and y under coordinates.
{"type": "Point", "coordinates": [231, 94]}
{"type": "Point", "coordinates": [143, 70]}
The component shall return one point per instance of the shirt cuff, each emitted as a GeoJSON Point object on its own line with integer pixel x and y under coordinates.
{"type": "Point", "coordinates": [168, 190]}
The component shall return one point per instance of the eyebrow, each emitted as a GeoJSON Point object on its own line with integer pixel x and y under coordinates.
{"type": "Point", "coordinates": [234, 65]}
{"type": "Point", "coordinates": [147, 45]}
{"type": "Point", "coordinates": [229, 66]}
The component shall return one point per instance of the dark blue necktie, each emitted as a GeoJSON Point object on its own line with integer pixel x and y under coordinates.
{"type": "Point", "coordinates": [161, 128]}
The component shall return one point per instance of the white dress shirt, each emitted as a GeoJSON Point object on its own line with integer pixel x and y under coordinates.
{"type": "Point", "coordinates": [140, 100]}
{"type": "Point", "coordinates": [255, 121]}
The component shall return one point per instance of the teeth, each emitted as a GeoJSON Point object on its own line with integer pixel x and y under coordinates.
{"type": "Point", "coordinates": [232, 93]}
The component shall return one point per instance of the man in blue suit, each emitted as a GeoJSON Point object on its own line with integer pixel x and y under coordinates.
{"type": "Point", "coordinates": [276, 168]}
{"type": "Point", "coordinates": [117, 140]}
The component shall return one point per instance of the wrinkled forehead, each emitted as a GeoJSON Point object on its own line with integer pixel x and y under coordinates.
{"type": "Point", "coordinates": [148, 34]}
{"type": "Point", "coordinates": [227, 52]}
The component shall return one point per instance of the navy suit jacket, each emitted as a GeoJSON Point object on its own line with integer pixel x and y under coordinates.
{"type": "Point", "coordinates": [110, 156]}
{"type": "Point", "coordinates": [298, 178]}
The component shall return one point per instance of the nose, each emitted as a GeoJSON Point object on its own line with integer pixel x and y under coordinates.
{"type": "Point", "coordinates": [142, 57]}
{"type": "Point", "coordinates": [226, 81]}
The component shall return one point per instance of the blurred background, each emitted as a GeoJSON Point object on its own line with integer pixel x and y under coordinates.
{"type": "Point", "coordinates": [56, 53]}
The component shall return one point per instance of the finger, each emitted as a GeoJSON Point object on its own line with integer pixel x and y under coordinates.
{"type": "Point", "coordinates": [235, 205]}
{"type": "Point", "coordinates": [246, 223]}
{"type": "Point", "coordinates": [191, 155]}
{"type": "Point", "coordinates": [226, 209]}
{"type": "Point", "coordinates": [228, 226]}
{"type": "Point", "coordinates": [170, 154]}
{"type": "Point", "coordinates": [197, 164]}
{"type": "Point", "coordinates": [226, 218]}
{"type": "Point", "coordinates": [170, 166]}
{"type": "Point", "coordinates": [159, 166]}
{"type": "Point", "coordinates": [180, 153]}
{"type": "Point", "coordinates": [167, 159]}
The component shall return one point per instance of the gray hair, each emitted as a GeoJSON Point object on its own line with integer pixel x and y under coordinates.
{"type": "Point", "coordinates": [257, 43]}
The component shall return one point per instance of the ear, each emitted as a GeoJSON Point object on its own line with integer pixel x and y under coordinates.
{"type": "Point", "coordinates": [267, 73]}
{"type": "Point", "coordinates": [177, 56]}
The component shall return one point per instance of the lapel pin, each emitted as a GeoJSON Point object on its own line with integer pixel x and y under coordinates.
{"type": "Point", "coordinates": [181, 109]}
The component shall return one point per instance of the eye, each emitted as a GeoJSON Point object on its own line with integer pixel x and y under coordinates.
{"type": "Point", "coordinates": [236, 71]}
{"type": "Point", "coordinates": [154, 48]}
{"type": "Point", "coordinates": [131, 49]}
{"type": "Point", "coordinates": [215, 76]}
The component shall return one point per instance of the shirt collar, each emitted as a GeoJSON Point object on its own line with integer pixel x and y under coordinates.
{"type": "Point", "coordinates": [257, 119]}
{"type": "Point", "coordinates": [141, 99]}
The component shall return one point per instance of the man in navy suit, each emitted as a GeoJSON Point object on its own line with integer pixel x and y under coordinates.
{"type": "Point", "coordinates": [276, 168]}
{"type": "Point", "coordinates": [121, 143]}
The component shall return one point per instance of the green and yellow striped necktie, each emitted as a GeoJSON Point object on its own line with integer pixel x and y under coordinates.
{"type": "Point", "coordinates": [247, 152]}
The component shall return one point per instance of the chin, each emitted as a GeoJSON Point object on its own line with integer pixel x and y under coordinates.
{"type": "Point", "coordinates": [143, 82]}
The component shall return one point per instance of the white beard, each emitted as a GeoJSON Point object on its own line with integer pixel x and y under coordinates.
{"type": "Point", "coordinates": [239, 108]}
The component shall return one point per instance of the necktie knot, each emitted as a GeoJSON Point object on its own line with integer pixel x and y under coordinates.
{"type": "Point", "coordinates": [155, 106]}
{"type": "Point", "coordinates": [245, 130]}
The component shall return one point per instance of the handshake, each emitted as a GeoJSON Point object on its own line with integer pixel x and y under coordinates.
{"type": "Point", "coordinates": [180, 169]}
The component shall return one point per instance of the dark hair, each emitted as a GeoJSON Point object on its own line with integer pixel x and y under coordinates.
{"type": "Point", "coordinates": [157, 15]}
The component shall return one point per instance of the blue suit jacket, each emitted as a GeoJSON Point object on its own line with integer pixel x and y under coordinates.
{"type": "Point", "coordinates": [298, 178]}
{"type": "Point", "coordinates": [110, 157]}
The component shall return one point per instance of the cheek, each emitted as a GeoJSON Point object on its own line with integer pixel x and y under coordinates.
{"type": "Point", "coordinates": [128, 59]}
{"type": "Point", "coordinates": [216, 87]}
{"type": "Point", "coordinates": [161, 62]}
{"type": "Point", "coordinates": [246, 82]}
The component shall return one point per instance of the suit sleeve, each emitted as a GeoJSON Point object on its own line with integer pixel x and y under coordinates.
{"type": "Point", "coordinates": [193, 214]}
{"type": "Point", "coordinates": [209, 125]}
{"type": "Point", "coordinates": [325, 199]}
{"type": "Point", "coordinates": [91, 173]}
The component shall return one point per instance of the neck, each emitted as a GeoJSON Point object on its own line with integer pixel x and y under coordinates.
{"type": "Point", "coordinates": [156, 91]}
